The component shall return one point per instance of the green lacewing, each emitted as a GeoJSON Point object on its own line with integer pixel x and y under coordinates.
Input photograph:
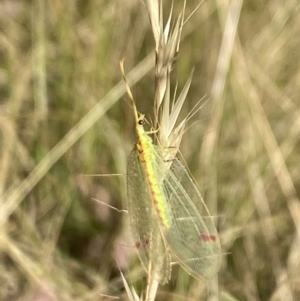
{"type": "Point", "coordinates": [152, 248]}
{"type": "Point", "coordinates": [167, 213]}
{"type": "Point", "coordinates": [190, 234]}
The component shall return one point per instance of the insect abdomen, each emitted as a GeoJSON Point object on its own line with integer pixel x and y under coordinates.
{"type": "Point", "coordinates": [148, 156]}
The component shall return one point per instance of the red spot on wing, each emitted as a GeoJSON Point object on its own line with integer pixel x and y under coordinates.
{"type": "Point", "coordinates": [206, 237]}
{"type": "Point", "coordinates": [144, 244]}
{"type": "Point", "coordinates": [213, 237]}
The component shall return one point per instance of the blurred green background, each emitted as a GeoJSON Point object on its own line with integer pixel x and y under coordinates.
{"type": "Point", "coordinates": [64, 117]}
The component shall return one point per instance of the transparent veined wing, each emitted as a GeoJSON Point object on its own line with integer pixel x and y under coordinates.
{"type": "Point", "coordinates": [192, 237]}
{"type": "Point", "coordinates": [152, 249]}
